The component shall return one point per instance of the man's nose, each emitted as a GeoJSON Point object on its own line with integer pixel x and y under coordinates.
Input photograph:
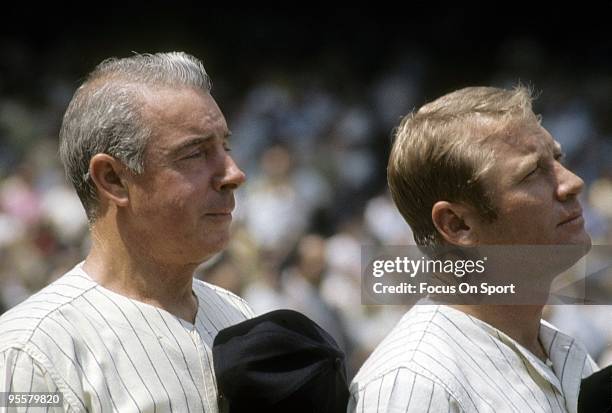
{"type": "Point", "coordinates": [569, 184]}
{"type": "Point", "coordinates": [231, 177]}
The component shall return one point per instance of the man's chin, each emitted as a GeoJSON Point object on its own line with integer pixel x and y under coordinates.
{"type": "Point", "coordinates": [584, 241]}
{"type": "Point", "coordinates": [212, 249]}
{"type": "Point", "coordinates": [578, 237]}
{"type": "Point", "coordinates": [572, 252]}
{"type": "Point", "coordinates": [588, 243]}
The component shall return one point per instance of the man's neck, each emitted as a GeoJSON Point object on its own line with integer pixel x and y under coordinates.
{"type": "Point", "coordinates": [168, 287]}
{"type": "Point", "coordinates": [520, 322]}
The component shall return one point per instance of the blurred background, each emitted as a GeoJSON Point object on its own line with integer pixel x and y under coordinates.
{"type": "Point", "coordinates": [311, 99]}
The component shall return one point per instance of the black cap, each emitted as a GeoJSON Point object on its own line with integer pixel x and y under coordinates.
{"type": "Point", "coordinates": [596, 393]}
{"type": "Point", "coordinates": [279, 361]}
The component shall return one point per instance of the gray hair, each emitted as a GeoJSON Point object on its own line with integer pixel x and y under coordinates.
{"type": "Point", "coordinates": [104, 115]}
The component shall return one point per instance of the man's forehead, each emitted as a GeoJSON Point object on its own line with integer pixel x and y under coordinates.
{"type": "Point", "coordinates": [179, 115]}
{"type": "Point", "coordinates": [170, 101]}
{"type": "Point", "coordinates": [525, 139]}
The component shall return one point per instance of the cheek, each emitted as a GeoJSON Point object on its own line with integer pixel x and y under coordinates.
{"type": "Point", "coordinates": [175, 191]}
{"type": "Point", "coordinates": [533, 222]}
{"type": "Point", "coordinates": [525, 219]}
{"type": "Point", "coordinates": [173, 199]}
{"type": "Point", "coordinates": [164, 207]}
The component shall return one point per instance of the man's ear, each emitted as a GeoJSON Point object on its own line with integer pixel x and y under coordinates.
{"type": "Point", "coordinates": [108, 175]}
{"type": "Point", "coordinates": [456, 223]}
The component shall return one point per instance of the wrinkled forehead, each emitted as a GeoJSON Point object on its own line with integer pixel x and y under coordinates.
{"type": "Point", "coordinates": [522, 138]}
{"type": "Point", "coordinates": [171, 102]}
{"type": "Point", "coordinates": [186, 108]}
{"type": "Point", "coordinates": [180, 115]}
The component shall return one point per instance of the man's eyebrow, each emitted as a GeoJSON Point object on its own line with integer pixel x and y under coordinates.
{"type": "Point", "coordinates": [195, 141]}
{"type": "Point", "coordinates": [527, 162]}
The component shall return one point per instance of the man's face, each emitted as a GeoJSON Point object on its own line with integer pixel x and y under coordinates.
{"type": "Point", "coordinates": [181, 205]}
{"type": "Point", "coordinates": [535, 195]}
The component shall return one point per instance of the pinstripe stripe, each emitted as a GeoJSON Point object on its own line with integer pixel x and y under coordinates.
{"type": "Point", "coordinates": [552, 342]}
{"type": "Point", "coordinates": [520, 377]}
{"type": "Point", "coordinates": [141, 345]}
{"type": "Point", "coordinates": [94, 358]}
{"type": "Point", "coordinates": [196, 343]}
{"type": "Point", "coordinates": [457, 364]}
{"type": "Point", "coordinates": [107, 352]}
{"type": "Point", "coordinates": [438, 379]}
{"type": "Point", "coordinates": [209, 319]}
{"type": "Point", "coordinates": [433, 387]}
{"type": "Point", "coordinates": [556, 396]}
{"type": "Point", "coordinates": [184, 358]}
{"type": "Point", "coordinates": [447, 371]}
{"type": "Point", "coordinates": [101, 342]}
{"type": "Point", "coordinates": [379, 391]}
{"type": "Point", "coordinates": [46, 293]}
{"type": "Point", "coordinates": [565, 361]}
{"type": "Point", "coordinates": [10, 388]}
{"type": "Point", "coordinates": [209, 333]}
{"type": "Point", "coordinates": [209, 361]}
{"type": "Point", "coordinates": [110, 353]}
{"type": "Point", "coordinates": [542, 389]}
{"type": "Point", "coordinates": [440, 359]}
{"type": "Point", "coordinates": [31, 387]}
{"type": "Point", "coordinates": [411, 392]}
{"type": "Point", "coordinates": [394, 381]}
{"type": "Point", "coordinates": [75, 362]}
{"type": "Point", "coordinates": [72, 390]}
{"type": "Point", "coordinates": [167, 358]}
{"type": "Point", "coordinates": [146, 353]}
{"type": "Point", "coordinates": [31, 375]}
{"type": "Point", "coordinates": [475, 363]}
{"type": "Point", "coordinates": [394, 344]}
{"type": "Point", "coordinates": [363, 401]}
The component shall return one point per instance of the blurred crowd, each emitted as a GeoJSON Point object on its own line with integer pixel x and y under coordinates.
{"type": "Point", "coordinates": [315, 156]}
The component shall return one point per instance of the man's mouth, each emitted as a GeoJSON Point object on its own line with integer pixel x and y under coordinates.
{"type": "Point", "coordinates": [574, 218]}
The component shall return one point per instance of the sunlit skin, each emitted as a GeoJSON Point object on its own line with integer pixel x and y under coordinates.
{"type": "Point", "coordinates": [183, 202]}
{"type": "Point", "coordinates": [156, 227]}
{"type": "Point", "coordinates": [536, 198]}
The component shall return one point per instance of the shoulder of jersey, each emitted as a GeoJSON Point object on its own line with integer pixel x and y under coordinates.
{"type": "Point", "coordinates": [18, 325]}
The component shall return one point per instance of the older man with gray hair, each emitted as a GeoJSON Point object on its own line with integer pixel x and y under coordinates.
{"type": "Point", "coordinates": [129, 328]}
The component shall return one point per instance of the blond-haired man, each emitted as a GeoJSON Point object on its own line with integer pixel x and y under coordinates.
{"type": "Point", "coordinates": [470, 169]}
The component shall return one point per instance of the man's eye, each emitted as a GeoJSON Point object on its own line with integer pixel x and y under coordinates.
{"type": "Point", "coordinates": [195, 154]}
{"type": "Point", "coordinates": [560, 157]}
{"type": "Point", "coordinates": [533, 172]}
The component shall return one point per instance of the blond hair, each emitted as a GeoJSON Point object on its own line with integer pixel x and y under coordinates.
{"type": "Point", "coordinates": [440, 152]}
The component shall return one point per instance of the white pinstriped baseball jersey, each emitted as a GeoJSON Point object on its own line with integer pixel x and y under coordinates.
{"type": "Point", "coordinates": [105, 352]}
{"type": "Point", "coordinates": [439, 359]}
